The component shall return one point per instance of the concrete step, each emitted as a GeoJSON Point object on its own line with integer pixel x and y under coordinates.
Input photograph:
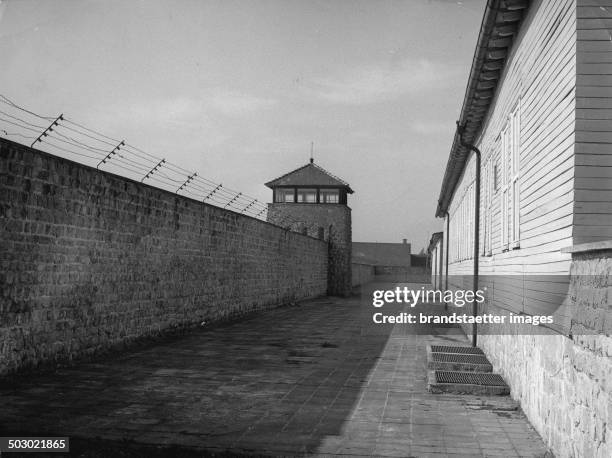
{"type": "Point", "coordinates": [458, 382]}
{"type": "Point", "coordinates": [463, 362]}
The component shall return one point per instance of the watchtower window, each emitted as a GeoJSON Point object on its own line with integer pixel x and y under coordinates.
{"type": "Point", "coordinates": [285, 195]}
{"type": "Point", "coordinates": [329, 196]}
{"type": "Point", "coordinates": [306, 195]}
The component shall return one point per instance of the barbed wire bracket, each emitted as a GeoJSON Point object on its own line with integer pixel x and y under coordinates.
{"type": "Point", "coordinates": [153, 170]}
{"type": "Point", "coordinates": [189, 178]}
{"type": "Point", "coordinates": [262, 210]}
{"type": "Point", "coordinates": [233, 199]}
{"type": "Point", "coordinates": [248, 206]}
{"type": "Point", "coordinates": [209, 195]}
{"type": "Point", "coordinates": [114, 151]}
{"type": "Point", "coordinates": [48, 129]}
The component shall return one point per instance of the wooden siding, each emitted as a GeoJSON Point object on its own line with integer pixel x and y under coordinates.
{"type": "Point", "coordinates": [593, 175]}
{"type": "Point", "coordinates": [540, 75]}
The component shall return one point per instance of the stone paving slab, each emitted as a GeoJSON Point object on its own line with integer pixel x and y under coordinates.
{"type": "Point", "coordinates": [295, 381]}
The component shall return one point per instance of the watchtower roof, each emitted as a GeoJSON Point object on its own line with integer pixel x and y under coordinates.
{"type": "Point", "coordinates": [309, 175]}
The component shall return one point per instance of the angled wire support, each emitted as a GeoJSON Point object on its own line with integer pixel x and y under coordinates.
{"type": "Point", "coordinates": [153, 170]}
{"type": "Point", "coordinates": [233, 200]}
{"type": "Point", "coordinates": [210, 194]}
{"type": "Point", "coordinates": [114, 151]}
{"type": "Point", "coordinates": [48, 129]}
{"type": "Point", "coordinates": [248, 206]}
{"type": "Point", "coordinates": [189, 178]}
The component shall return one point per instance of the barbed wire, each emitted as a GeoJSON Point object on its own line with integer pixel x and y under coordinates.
{"type": "Point", "coordinates": [68, 138]}
{"type": "Point", "coordinates": [9, 102]}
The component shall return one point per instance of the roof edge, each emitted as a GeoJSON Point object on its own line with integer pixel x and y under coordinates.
{"type": "Point", "coordinates": [500, 25]}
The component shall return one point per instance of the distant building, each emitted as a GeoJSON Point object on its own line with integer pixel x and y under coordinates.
{"type": "Point", "coordinates": [382, 254]}
{"type": "Point", "coordinates": [313, 201]}
{"type": "Point", "coordinates": [390, 260]}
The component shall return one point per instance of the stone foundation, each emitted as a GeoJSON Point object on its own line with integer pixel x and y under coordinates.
{"type": "Point", "coordinates": [564, 383]}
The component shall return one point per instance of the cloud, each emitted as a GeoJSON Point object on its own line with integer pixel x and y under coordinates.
{"type": "Point", "coordinates": [150, 110]}
{"type": "Point", "coordinates": [378, 82]}
{"type": "Point", "coordinates": [179, 112]}
{"type": "Point", "coordinates": [232, 103]}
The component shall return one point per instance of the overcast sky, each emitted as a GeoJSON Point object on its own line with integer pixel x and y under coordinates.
{"type": "Point", "coordinates": [238, 89]}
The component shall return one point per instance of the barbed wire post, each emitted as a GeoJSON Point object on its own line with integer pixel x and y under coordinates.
{"type": "Point", "coordinates": [114, 151]}
{"type": "Point", "coordinates": [153, 170]}
{"type": "Point", "coordinates": [189, 178]}
{"type": "Point", "coordinates": [233, 199]}
{"type": "Point", "coordinates": [210, 194]}
{"type": "Point", "coordinates": [248, 206]}
{"type": "Point", "coordinates": [48, 129]}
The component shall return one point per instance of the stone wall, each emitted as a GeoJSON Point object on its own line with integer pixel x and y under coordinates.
{"type": "Point", "coordinates": [564, 384]}
{"type": "Point", "coordinates": [90, 260]}
{"type": "Point", "coordinates": [362, 274]}
{"type": "Point", "coordinates": [332, 222]}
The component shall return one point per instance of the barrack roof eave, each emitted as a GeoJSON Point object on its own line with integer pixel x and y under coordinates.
{"type": "Point", "coordinates": [499, 27]}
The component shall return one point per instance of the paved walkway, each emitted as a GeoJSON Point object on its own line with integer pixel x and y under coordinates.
{"type": "Point", "coordinates": [297, 380]}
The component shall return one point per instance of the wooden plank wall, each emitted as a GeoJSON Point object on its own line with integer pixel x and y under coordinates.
{"type": "Point", "coordinates": [593, 181]}
{"type": "Point", "coordinates": [541, 74]}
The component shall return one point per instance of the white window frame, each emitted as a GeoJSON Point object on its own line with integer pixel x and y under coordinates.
{"type": "Point", "coordinates": [469, 212]}
{"type": "Point", "coordinates": [511, 172]}
{"type": "Point", "coordinates": [330, 196]}
{"type": "Point", "coordinates": [488, 206]}
{"type": "Point", "coordinates": [490, 193]}
{"type": "Point", "coordinates": [306, 195]}
{"type": "Point", "coordinates": [504, 200]}
{"type": "Point", "coordinates": [515, 172]}
{"type": "Point", "coordinates": [462, 226]}
{"type": "Point", "coordinates": [282, 193]}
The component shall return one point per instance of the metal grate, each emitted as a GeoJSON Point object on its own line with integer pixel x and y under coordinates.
{"type": "Point", "coordinates": [462, 350]}
{"type": "Point", "coordinates": [470, 378]}
{"type": "Point", "coordinates": [458, 358]}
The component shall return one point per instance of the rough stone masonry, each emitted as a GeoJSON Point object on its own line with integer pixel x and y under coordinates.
{"type": "Point", "coordinates": [564, 383]}
{"type": "Point", "coordinates": [90, 260]}
{"type": "Point", "coordinates": [335, 222]}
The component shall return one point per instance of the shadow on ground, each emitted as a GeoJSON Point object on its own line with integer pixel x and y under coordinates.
{"type": "Point", "coordinates": [305, 379]}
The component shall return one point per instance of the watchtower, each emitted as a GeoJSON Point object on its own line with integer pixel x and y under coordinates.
{"type": "Point", "coordinates": [313, 201]}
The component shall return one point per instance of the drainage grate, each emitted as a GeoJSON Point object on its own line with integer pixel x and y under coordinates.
{"type": "Point", "coordinates": [470, 378]}
{"type": "Point", "coordinates": [463, 350]}
{"type": "Point", "coordinates": [458, 358]}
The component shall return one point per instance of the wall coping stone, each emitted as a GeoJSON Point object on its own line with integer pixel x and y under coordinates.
{"type": "Point", "coordinates": [604, 245]}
